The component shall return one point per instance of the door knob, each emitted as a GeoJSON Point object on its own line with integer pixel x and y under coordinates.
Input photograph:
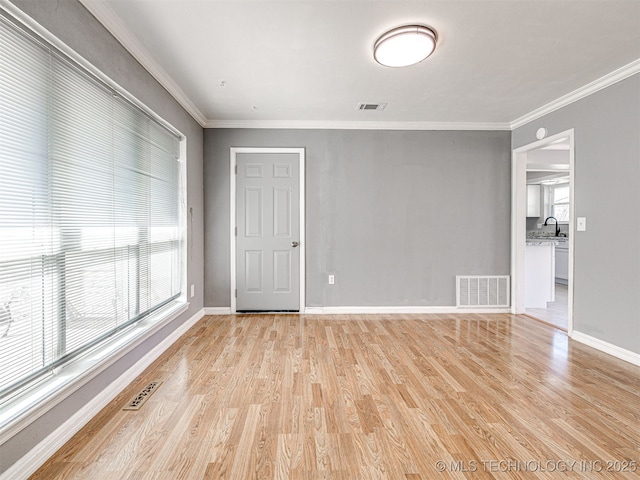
{"type": "Point", "coordinates": [294, 244]}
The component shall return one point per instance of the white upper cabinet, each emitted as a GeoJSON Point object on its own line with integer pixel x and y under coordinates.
{"type": "Point", "coordinates": [533, 200]}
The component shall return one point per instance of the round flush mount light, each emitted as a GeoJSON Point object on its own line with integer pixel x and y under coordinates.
{"type": "Point", "coordinates": [404, 46]}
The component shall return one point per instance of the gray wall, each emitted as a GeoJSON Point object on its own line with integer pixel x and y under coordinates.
{"type": "Point", "coordinates": [71, 22]}
{"type": "Point", "coordinates": [395, 215]}
{"type": "Point", "coordinates": [607, 193]}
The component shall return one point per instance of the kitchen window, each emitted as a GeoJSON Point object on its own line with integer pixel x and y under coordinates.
{"type": "Point", "coordinates": [90, 210]}
{"type": "Point", "coordinates": [559, 199]}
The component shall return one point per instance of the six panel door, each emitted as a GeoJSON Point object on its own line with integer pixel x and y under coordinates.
{"type": "Point", "coordinates": [268, 226]}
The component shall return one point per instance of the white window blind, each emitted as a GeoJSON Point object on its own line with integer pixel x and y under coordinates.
{"type": "Point", "coordinates": [89, 210]}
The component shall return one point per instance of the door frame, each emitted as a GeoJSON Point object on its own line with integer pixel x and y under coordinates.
{"type": "Point", "coordinates": [519, 221]}
{"type": "Point", "coordinates": [234, 151]}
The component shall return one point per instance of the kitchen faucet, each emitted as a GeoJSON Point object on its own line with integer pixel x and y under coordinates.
{"type": "Point", "coordinates": [557, 226]}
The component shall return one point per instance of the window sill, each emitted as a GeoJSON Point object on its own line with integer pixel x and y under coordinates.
{"type": "Point", "coordinates": [34, 402]}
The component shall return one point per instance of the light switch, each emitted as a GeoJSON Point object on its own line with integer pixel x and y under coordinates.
{"type": "Point", "coordinates": [581, 224]}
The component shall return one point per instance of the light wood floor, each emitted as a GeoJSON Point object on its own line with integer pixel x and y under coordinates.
{"type": "Point", "coordinates": [368, 397]}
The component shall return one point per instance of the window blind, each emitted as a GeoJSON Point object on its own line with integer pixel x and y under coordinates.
{"type": "Point", "coordinates": [89, 210]}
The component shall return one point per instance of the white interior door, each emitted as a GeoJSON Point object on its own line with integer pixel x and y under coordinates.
{"type": "Point", "coordinates": [268, 236]}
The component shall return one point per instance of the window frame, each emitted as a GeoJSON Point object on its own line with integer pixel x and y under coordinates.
{"type": "Point", "coordinates": [552, 204]}
{"type": "Point", "coordinates": [34, 399]}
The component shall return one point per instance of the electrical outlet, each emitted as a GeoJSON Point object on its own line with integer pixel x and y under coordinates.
{"type": "Point", "coordinates": [539, 226]}
{"type": "Point", "coordinates": [332, 279]}
{"type": "Point", "coordinates": [193, 291]}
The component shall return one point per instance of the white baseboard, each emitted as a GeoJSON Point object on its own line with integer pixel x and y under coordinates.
{"type": "Point", "coordinates": [349, 310]}
{"type": "Point", "coordinates": [614, 350]}
{"type": "Point", "coordinates": [217, 310]}
{"type": "Point", "coordinates": [399, 310]}
{"type": "Point", "coordinates": [36, 457]}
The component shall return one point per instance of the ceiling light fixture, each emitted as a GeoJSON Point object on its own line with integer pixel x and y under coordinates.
{"type": "Point", "coordinates": [404, 46]}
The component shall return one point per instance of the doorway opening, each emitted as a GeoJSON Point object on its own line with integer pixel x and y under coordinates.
{"type": "Point", "coordinates": [542, 230]}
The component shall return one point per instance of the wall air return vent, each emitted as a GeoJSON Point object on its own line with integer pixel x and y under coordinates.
{"type": "Point", "coordinates": [371, 106]}
{"type": "Point", "coordinates": [473, 291]}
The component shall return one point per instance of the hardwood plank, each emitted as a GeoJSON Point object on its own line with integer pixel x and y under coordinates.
{"type": "Point", "coordinates": [363, 397]}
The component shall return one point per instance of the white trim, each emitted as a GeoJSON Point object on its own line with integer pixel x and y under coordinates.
{"type": "Point", "coordinates": [29, 463]}
{"type": "Point", "coordinates": [107, 17]}
{"type": "Point", "coordinates": [368, 310]}
{"type": "Point", "coordinates": [518, 220]}
{"type": "Point", "coordinates": [582, 92]}
{"type": "Point", "coordinates": [518, 229]}
{"type": "Point", "coordinates": [572, 230]}
{"type": "Point", "coordinates": [355, 125]}
{"type": "Point", "coordinates": [606, 347]}
{"type": "Point", "coordinates": [217, 310]}
{"type": "Point", "coordinates": [232, 216]}
{"type": "Point", "coordinates": [232, 229]}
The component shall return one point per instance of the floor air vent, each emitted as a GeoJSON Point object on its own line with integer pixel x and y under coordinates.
{"type": "Point", "coordinates": [474, 291]}
{"type": "Point", "coordinates": [371, 106]}
{"type": "Point", "coordinates": [142, 397]}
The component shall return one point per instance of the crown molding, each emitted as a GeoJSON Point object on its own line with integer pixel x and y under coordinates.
{"type": "Point", "coordinates": [582, 92]}
{"type": "Point", "coordinates": [352, 125]}
{"type": "Point", "coordinates": [106, 16]}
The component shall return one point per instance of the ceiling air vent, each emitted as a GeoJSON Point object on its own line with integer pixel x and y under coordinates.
{"type": "Point", "coordinates": [371, 106]}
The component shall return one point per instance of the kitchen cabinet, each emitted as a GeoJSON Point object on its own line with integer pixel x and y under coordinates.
{"type": "Point", "coordinates": [540, 285]}
{"type": "Point", "coordinates": [562, 263]}
{"type": "Point", "coordinates": [533, 200]}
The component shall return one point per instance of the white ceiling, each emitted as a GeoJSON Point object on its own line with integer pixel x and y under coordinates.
{"type": "Point", "coordinates": [309, 62]}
